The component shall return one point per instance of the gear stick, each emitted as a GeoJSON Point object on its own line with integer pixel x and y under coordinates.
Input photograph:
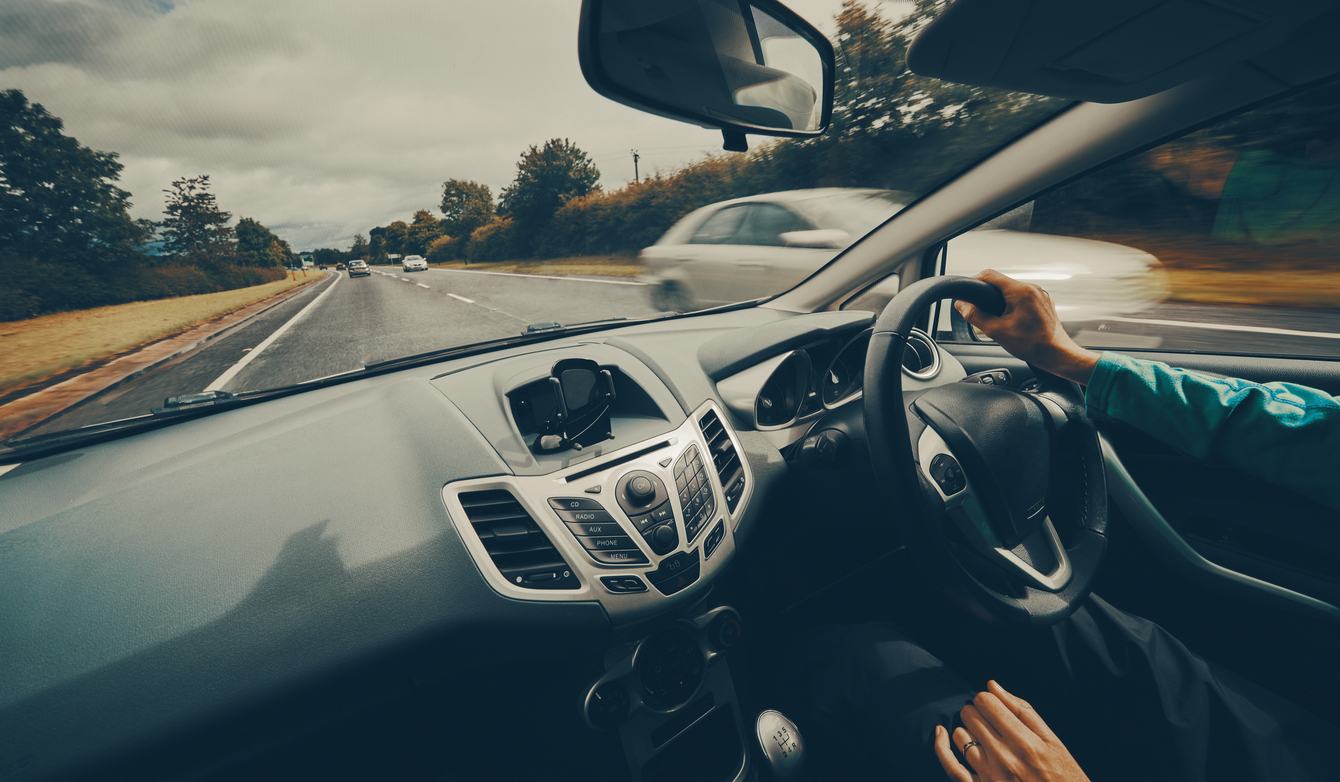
{"type": "Point", "coordinates": [783, 750]}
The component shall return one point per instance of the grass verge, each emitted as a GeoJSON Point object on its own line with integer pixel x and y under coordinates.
{"type": "Point", "coordinates": [41, 348]}
{"type": "Point", "coordinates": [587, 265]}
{"type": "Point", "coordinates": [1279, 288]}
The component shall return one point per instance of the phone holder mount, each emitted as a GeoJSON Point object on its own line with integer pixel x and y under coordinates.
{"type": "Point", "coordinates": [583, 393]}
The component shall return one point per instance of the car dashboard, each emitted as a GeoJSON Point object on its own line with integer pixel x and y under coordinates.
{"type": "Point", "coordinates": [166, 588]}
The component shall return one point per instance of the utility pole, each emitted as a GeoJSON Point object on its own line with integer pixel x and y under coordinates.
{"type": "Point", "coordinates": [635, 159]}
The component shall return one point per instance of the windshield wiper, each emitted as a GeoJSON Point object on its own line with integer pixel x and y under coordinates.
{"type": "Point", "coordinates": [175, 405]}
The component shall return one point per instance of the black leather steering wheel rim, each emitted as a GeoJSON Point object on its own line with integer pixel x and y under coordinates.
{"type": "Point", "coordinates": [926, 528]}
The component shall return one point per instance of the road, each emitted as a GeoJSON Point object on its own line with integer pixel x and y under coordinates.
{"type": "Point", "coordinates": [342, 323]}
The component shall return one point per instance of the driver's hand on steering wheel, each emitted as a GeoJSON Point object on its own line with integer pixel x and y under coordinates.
{"type": "Point", "coordinates": [1030, 329]}
{"type": "Point", "coordinates": [1006, 741]}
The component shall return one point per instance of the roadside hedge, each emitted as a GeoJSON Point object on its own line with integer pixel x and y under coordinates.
{"type": "Point", "coordinates": [33, 288]}
{"type": "Point", "coordinates": [624, 221]}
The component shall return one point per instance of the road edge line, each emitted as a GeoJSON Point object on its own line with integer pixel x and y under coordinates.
{"type": "Point", "coordinates": [232, 371]}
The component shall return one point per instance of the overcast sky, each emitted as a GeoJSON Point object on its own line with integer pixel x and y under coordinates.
{"type": "Point", "coordinates": [324, 118]}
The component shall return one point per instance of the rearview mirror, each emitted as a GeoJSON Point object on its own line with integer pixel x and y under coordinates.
{"type": "Point", "coordinates": [739, 65]}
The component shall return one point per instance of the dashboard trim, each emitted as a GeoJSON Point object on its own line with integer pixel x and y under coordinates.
{"type": "Point", "coordinates": [533, 492]}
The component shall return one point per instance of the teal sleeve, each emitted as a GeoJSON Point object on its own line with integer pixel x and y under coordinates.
{"type": "Point", "coordinates": [1286, 434]}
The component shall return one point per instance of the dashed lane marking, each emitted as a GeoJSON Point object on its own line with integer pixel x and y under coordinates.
{"type": "Point", "coordinates": [461, 298]}
{"type": "Point", "coordinates": [421, 285]}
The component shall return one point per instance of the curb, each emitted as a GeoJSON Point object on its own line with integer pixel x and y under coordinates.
{"type": "Point", "coordinates": [63, 398]}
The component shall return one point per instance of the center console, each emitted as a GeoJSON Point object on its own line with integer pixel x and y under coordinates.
{"type": "Point", "coordinates": [640, 517]}
{"type": "Point", "coordinates": [671, 698]}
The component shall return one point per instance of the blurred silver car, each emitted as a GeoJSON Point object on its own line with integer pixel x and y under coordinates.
{"type": "Point", "coordinates": [761, 245]}
{"type": "Point", "coordinates": [414, 263]}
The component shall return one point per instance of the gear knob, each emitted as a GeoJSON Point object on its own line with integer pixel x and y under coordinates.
{"type": "Point", "coordinates": [779, 738]}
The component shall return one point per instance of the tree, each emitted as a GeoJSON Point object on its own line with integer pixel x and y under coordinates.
{"type": "Point", "coordinates": [359, 249]}
{"type": "Point", "coordinates": [57, 200]}
{"type": "Point", "coordinates": [258, 246]}
{"type": "Point", "coordinates": [465, 207]}
{"type": "Point", "coordinates": [325, 256]}
{"type": "Point", "coordinates": [546, 178]}
{"type": "Point", "coordinates": [195, 230]}
{"type": "Point", "coordinates": [421, 232]}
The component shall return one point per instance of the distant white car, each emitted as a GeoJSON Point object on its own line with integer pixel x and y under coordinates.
{"type": "Point", "coordinates": [414, 263]}
{"type": "Point", "coordinates": [762, 245]}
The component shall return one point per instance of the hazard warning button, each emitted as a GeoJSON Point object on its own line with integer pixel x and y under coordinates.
{"type": "Point", "coordinates": [676, 572]}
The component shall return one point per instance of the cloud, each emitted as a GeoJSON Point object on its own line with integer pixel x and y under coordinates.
{"type": "Point", "coordinates": [323, 118]}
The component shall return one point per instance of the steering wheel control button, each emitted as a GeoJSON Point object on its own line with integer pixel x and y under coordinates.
{"type": "Point", "coordinates": [676, 572]}
{"type": "Point", "coordinates": [947, 474]}
{"type": "Point", "coordinates": [592, 490]}
{"type": "Point", "coordinates": [622, 585]}
{"type": "Point", "coordinates": [576, 503]}
{"type": "Point", "coordinates": [629, 556]}
{"type": "Point", "coordinates": [714, 539]}
{"type": "Point", "coordinates": [994, 377]}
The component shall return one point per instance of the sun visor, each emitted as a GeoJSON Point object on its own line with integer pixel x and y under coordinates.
{"type": "Point", "coordinates": [1101, 52]}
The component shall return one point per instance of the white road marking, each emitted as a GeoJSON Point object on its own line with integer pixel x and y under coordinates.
{"type": "Point", "coordinates": [421, 285]}
{"type": "Point", "coordinates": [461, 298]}
{"type": "Point", "coordinates": [1228, 327]}
{"type": "Point", "coordinates": [226, 377]}
{"type": "Point", "coordinates": [402, 279]}
{"type": "Point", "coordinates": [542, 277]}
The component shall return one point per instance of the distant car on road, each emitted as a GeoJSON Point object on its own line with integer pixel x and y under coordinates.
{"type": "Point", "coordinates": [357, 268]}
{"type": "Point", "coordinates": [761, 245]}
{"type": "Point", "coordinates": [414, 263]}
{"type": "Point", "coordinates": [340, 266]}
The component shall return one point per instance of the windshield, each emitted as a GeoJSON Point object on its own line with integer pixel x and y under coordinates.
{"type": "Point", "coordinates": [240, 195]}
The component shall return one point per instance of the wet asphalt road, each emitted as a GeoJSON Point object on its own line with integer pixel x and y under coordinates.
{"type": "Point", "coordinates": [390, 314]}
{"type": "Point", "coordinates": [360, 321]}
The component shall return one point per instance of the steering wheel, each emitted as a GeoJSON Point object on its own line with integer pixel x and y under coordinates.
{"type": "Point", "coordinates": [1008, 488]}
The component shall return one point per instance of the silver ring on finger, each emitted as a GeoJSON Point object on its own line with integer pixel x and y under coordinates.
{"type": "Point", "coordinates": [973, 743]}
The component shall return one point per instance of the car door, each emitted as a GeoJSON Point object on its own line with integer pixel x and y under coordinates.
{"type": "Point", "coordinates": [705, 257]}
{"type": "Point", "coordinates": [763, 264]}
{"type": "Point", "coordinates": [1239, 227]}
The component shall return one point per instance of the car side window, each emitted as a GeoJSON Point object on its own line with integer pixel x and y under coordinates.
{"type": "Point", "coordinates": [1224, 240]}
{"type": "Point", "coordinates": [720, 228]}
{"type": "Point", "coordinates": [764, 225]}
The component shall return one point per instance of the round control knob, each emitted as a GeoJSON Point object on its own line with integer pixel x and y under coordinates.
{"type": "Point", "coordinates": [725, 631]}
{"type": "Point", "coordinates": [641, 490]}
{"type": "Point", "coordinates": [670, 666]}
{"type": "Point", "coordinates": [664, 538]}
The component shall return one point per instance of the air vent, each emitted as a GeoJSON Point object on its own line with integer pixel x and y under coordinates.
{"type": "Point", "coordinates": [724, 457]}
{"type": "Point", "coordinates": [921, 359]}
{"type": "Point", "coordinates": [520, 549]}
